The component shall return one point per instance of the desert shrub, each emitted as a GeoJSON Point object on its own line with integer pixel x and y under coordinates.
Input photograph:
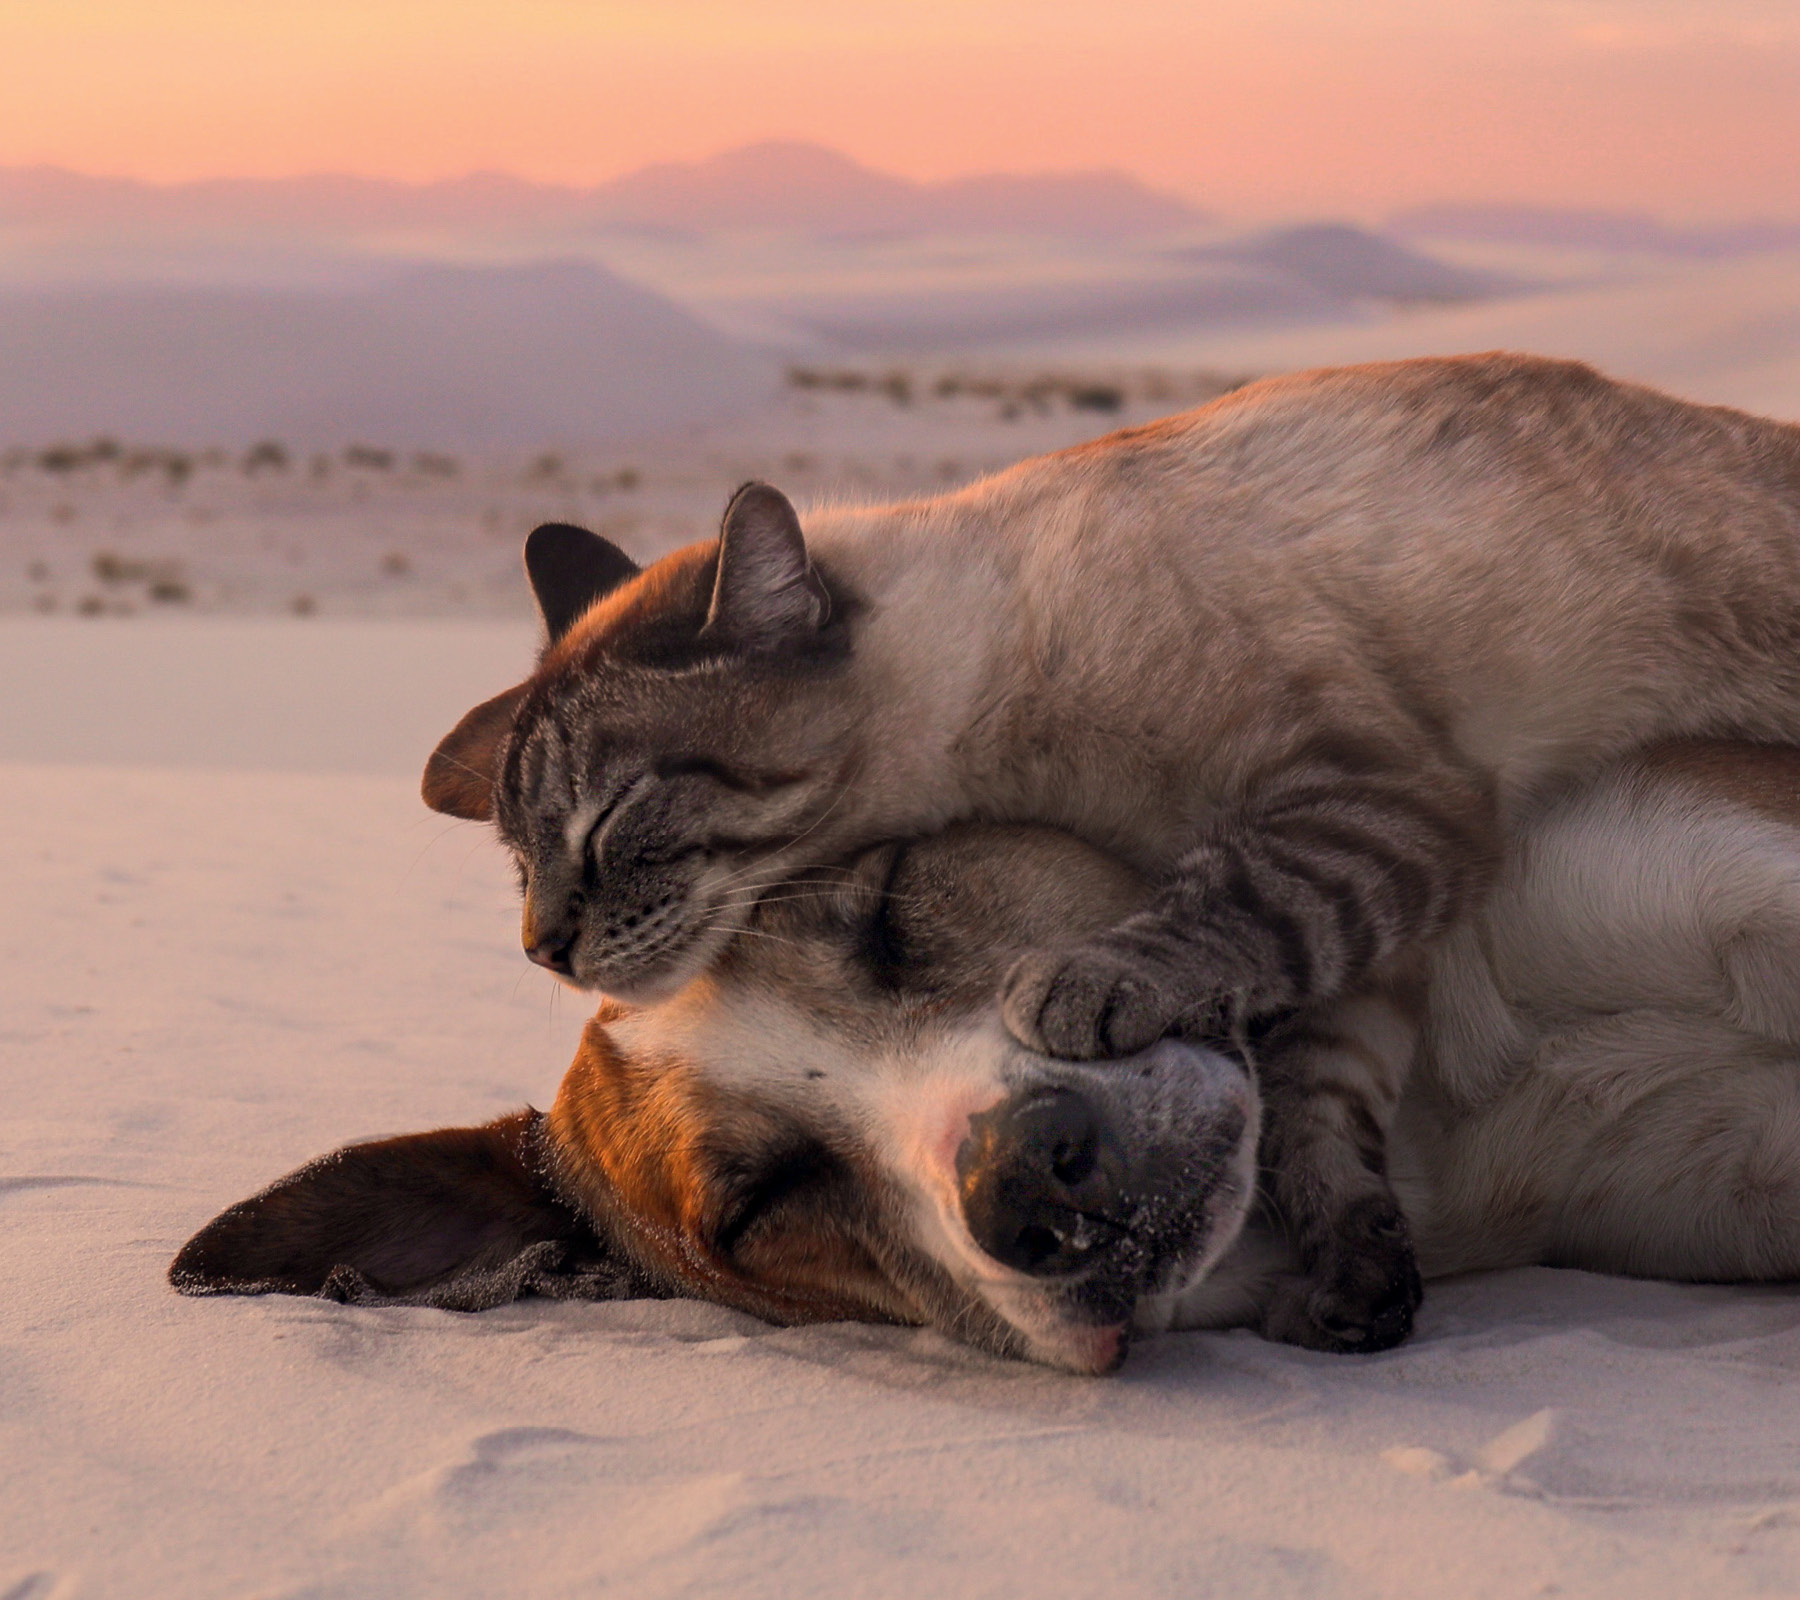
{"type": "Point", "coordinates": [1095, 397]}
{"type": "Point", "coordinates": [63, 458]}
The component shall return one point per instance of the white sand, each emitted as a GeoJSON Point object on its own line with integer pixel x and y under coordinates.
{"type": "Point", "coordinates": [215, 972]}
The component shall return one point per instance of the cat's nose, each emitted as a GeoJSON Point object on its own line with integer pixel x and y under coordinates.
{"type": "Point", "coordinates": [553, 954]}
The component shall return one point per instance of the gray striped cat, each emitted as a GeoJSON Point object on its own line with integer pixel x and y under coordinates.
{"type": "Point", "coordinates": [1303, 657]}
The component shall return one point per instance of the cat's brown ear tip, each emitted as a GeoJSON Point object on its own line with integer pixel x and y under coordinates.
{"type": "Point", "coordinates": [459, 776]}
{"type": "Point", "coordinates": [448, 789]}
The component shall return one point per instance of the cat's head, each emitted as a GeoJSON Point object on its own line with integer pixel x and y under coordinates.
{"type": "Point", "coordinates": [687, 736]}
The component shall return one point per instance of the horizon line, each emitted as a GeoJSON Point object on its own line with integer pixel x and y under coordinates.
{"type": "Point", "coordinates": [1202, 205]}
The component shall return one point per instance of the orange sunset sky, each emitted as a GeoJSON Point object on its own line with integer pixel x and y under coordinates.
{"type": "Point", "coordinates": [1687, 107]}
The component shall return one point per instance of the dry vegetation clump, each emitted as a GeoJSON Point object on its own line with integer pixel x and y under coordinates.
{"type": "Point", "coordinates": [624, 480]}
{"type": "Point", "coordinates": [1013, 395]}
{"type": "Point", "coordinates": [67, 458]}
{"type": "Point", "coordinates": [267, 455]}
{"type": "Point", "coordinates": [67, 461]}
{"type": "Point", "coordinates": [895, 384]}
{"type": "Point", "coordinates": [161, 582]}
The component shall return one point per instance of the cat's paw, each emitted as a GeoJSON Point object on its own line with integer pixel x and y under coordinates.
{"type": "Point", "coordinates": [1362, 1293]}
{"type": "Point", "coordinates": [1089, 1003]}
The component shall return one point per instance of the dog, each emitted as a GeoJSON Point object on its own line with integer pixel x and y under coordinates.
{"type": "Point", "coordinates": [1600, 1069]}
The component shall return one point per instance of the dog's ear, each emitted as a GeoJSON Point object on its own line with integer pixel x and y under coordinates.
{"type": "Point", "coordinates": [399, 1217]}
{"type": "Point", "coordinates": [459, 777]}
{"type": "Point", "coordinates": [570, 569]}
{"type": "Point", "coordinates": [766, 592]}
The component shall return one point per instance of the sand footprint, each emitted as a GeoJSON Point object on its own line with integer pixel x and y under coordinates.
{"type": "Point", "coordinates": [41, 1585]}
{"type": "Point", "coordinates": [1494, 1466]}
{"type": "Point", "coordinates": [504, 1474]}
{"type": "Point", "coordinates": [612, 1504]}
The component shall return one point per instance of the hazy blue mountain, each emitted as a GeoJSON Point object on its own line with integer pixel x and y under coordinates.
{"type": "Point", "coordinates": [781, 184]}
{"type": "Point", "coordinates": [776, 185]}
{"type": "Point", "coordinates": [328, 202]}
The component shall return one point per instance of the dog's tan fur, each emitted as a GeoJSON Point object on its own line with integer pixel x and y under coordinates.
{"type": "Point", "coordinates": [1604, 1073]}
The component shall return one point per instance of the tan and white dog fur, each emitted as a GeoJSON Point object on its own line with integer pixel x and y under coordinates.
{"type": "Point", "coordinates": [1600, 1069]}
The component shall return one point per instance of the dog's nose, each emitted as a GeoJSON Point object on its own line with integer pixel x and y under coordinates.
{"type": "Point", "coordinates": [554, 954]}
{"type": "Point", "coordinates": [1042, 1182]}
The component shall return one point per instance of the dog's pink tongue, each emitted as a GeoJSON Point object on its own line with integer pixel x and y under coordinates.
{"type": "Point", "coordinates": [1094, 1350]}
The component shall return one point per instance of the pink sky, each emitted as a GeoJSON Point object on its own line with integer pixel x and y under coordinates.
{"type": "Point", "coordinates": [1686, 107]}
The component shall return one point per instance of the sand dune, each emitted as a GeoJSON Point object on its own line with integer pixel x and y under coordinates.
{"type": "Point", "coordinates": [436, 356]}
{"type": "Point", "coordinates": [1313, 275]}
{"type": "Point", "coordinates": [1726, 332]}
{"type": "Point", "coordinates": [217, 972]}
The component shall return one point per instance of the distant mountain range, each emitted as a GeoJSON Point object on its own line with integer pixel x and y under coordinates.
{"type": "Point", "coordinates": [1614, 232]}
{"type": "Point", "coordinates": [779, 185]}
{"type": "Point", "coordinates": [558, 353]}
{"type": "Point", "coordinates": [776, 185]}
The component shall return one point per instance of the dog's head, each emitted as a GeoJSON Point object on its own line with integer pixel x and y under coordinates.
{"type": "Point", "coordinates": [833, 1123]}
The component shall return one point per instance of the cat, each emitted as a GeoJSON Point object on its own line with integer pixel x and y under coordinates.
{"type": "Point", "coordinates": [1304, 657]}
{"type": "Point", "coordinates": [831, 1124]}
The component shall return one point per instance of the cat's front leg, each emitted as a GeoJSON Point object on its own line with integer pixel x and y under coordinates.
{"type": "Point", "coordinates": [1288, 905]}
{"type": "Point", "coordinates": [1288, 910]}
{"type": "Point", "coordinates": [1330, 1086]}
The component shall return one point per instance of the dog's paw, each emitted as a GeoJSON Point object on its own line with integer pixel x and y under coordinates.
{"type": "Point", "coordinates": [1088, 1003]}
{"type": "Point", "coordinates": [1362, 1293]}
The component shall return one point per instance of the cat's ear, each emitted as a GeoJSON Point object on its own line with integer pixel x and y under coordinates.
{"type": "Point", "coordinates": [459, 777]}
{"type": "Point", "coordinates": [766, 592]}
{"type": "Point", "coordinates": [570, 569]}
{"type": "Point", "coordinates": [398, 1216]}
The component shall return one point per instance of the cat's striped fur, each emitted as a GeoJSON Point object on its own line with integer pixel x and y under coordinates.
{"type": "Point", "coordinates": [1304, 657]}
